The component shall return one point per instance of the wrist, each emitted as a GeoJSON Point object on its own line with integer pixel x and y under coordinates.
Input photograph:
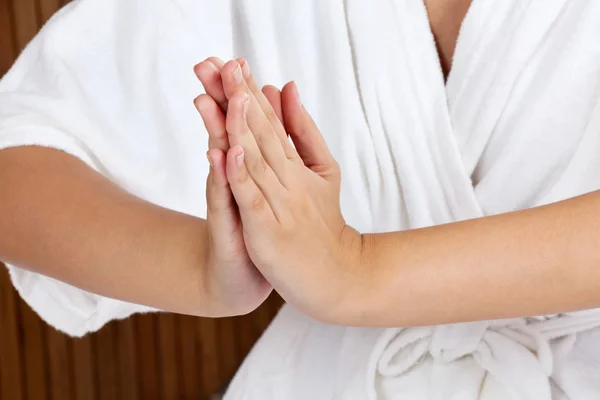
{"type": "Point", "coordinates": [354, 280]}
{"type": "Point", "coordinates": [230, 284]}
{"type": "Point", "coordinates": [356, 309]}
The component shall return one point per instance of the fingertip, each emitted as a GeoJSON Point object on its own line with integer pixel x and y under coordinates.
{"type": "Point", "coordinates": [197, 69]}
{"type": "Point", "coordinates": [216, 159]}
{"type": "Point", "coordinates": [287, 86]}
{"type": "Point", "coordinates": [240, 96]}
{"type": "Point", "coordinates": [273, 95]}
{"type": "Point", "coordinates": [238, 154]}
{"type": "Point", "coordinates": [199, 102]}
{"type": "Point", "coordinates": [214, 121]}
{"type": "Point", "coordinates": [206, 106]}
{"type": "Point", "coordinates": [245, 67]}
{"type": "Point", "coordinates": [239, 99]}
{"type": "Point", "coordinates": [270, 90]}
{"type": "Point", "coordinates": [207, 73]}
{"type": "Point", "coordinates": [232, 76]}
{"type": "Point", "coordinates": [229, 67]}
{"type": "Point", "coordinates": [217, 62]}
{"type": "Point", "coordinates": [235, 163]}
{"type": "Point", "coordinates": [212, 154]}
{"type": "Point", "coordinates": [213, 68]}
{"type": "Point", "coordinates": [296, 92]}
{"type": "Point", "coordinates": [291, 94]}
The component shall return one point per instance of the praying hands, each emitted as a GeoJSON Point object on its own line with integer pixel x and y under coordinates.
{"type": "Point", "coordinates": [274, 212]}
{"type": "Point", "coordinates": [288, 197]}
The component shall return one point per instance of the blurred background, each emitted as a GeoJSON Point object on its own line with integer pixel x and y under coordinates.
{"type": "Point", "coordinates": [145, 357]}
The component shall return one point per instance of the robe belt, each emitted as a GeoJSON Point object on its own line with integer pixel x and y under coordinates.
{"type": "Point", "coordinates": [519, 352]}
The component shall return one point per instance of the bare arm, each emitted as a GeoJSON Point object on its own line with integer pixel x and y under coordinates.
{"type": "Point", "coordinates": [62, 219]}
{"type": "Point", "coordinates": [533, 262]}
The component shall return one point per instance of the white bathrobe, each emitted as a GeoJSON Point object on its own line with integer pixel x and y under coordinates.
{"type": "Point", "coordinates": [517, 125]}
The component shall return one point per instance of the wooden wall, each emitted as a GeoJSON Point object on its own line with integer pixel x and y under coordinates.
{"type": "Point", "coordinates": [145, 357]}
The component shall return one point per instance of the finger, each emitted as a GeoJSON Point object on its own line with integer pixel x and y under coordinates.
{"type": "Point", "coordinates": [209, 73]}
{"type": "Point", "coordinates": [265, 104]}
{"type": "Point", "coordinates": [273, 95]}
{"type": "Point", "coordinates": [220, 202]}
{"type": "Point", "coordinates": [260, 125]}
{"type": "Point", "coordinates": [217, 61]}
{"type": "Point", "coordinates": [222, 215]}
{"type": "Point", "coordinates": [307, 138]}
{"type": "Point", "coordinates": [249, 84]}
{"type": "Point", "coordinates": [218, 89]}
{"type": "Point", "coordinates": [214, 121]}
{"type": "Point", "coordinates": [252, 204]}
{"type": "Point", "coordinates": [258, 169]}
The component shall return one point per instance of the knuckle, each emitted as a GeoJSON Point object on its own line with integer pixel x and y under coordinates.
{"type": "Point", "coordinates": [264, 140]}
{"type": "Point", "coordinates": [220, 134]}
{"type": "Point", "coordinates": [257, 203]}
{"type": "Point", "coordinates": [271, 115]}
{"type": "Point", "coordinates": [288, 220]}
{"type": "Point", "coordinates": [259, 166]}
{"type": "Point", "coordinates": [242, 178]}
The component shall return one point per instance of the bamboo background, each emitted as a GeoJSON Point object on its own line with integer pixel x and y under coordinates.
{"type": "Point", "coordinates": [145, 357]}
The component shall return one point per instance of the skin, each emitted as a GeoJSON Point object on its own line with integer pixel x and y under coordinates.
{"type": "Point", "coordinates": [532, 262]}
{"type": "Point", "coordinates": [286, 226]}
{"type": "Point", "coordinates": [445, 19]}
{"type": "Point", "coordinates": [57, 202]}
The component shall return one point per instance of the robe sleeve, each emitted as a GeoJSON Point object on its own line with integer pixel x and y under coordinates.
{"type": "Point", "coordinates": [58, 95]}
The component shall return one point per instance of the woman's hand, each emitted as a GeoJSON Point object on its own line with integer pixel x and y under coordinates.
{"type": "Point", "coordinates": [232, 282]}
{"type": "Point", "coordinates": [289, 199]}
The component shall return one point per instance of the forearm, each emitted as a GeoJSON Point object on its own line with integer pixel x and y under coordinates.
{"type": "Point", "coordinates": [62, 219]}
{"type": "Point", "coordinates": [533, 262]}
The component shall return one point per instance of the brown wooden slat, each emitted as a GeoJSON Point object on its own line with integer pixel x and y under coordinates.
{"type": "Point", "coordinates": [147, 356]}
{"type": "Point", "coordinates": [127, 357]}
{"type": "Point", "coordinates": [207, 340]}
{"type": "Point", "coordinates": [275, 302]}
{"type": "Point", "coordinates": [10, 356]}
{"type": "Point", "coordinates": [7, 39]}
{"type": "Point", "coordinates": [106, 369]}
{"type": "Point", "coordinates": [61, 374]}
{"type": "Point", "coordinates": [228, 349]}
{"type": "Point", "coordinates": [1, 391]}
{"type": "Point", "coordinates": [84, 368]}
{"type": "Point", "coordinates": [35, 355]}
{"type": "Point", "coordinates": [262, 317]}
{"type": "Point", "coordinates": [246, 335]}
{"type": "Point", "coordinates": [25, 15]}
{"type": "Point", "coordinates": [47, 8]}
{"type": "Point", "coordinates": [168, 364]}
{"type": "Point", "coordinates": [189, 357]}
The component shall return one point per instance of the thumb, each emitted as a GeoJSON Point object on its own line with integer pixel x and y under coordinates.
{"type": "Point", "coordinates": [303, 131]}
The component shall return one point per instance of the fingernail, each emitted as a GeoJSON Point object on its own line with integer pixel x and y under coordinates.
{"type": "Point", "coordinates": [246, 69]}
{"type": "Point", "coordinates": [240, 159]}
{"type": "Point", "coordinates": [297, 93]}
{"type": "Point", "coordinates": [213, 67]}
{"type": "Point", "coordinates": [237, 75]}
{"type": "Point", "coordinates": [209, 159]}
{"type": "Point", "coordinates": [245, 108]}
